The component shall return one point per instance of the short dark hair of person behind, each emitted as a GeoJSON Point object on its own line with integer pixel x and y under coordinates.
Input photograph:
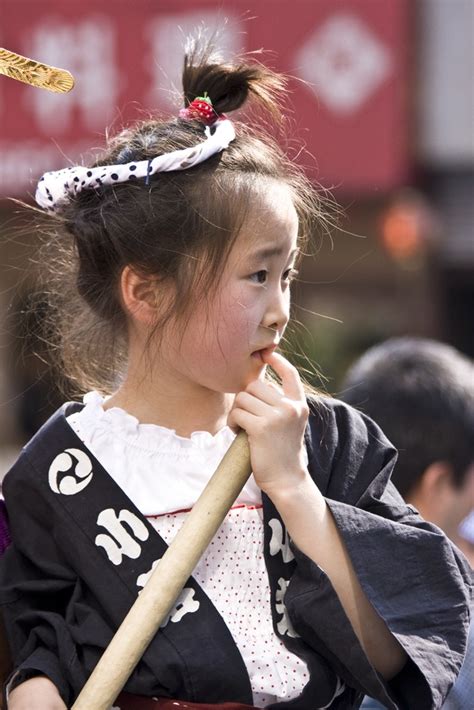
{"type": "Point", "coordinates": [421, 393]}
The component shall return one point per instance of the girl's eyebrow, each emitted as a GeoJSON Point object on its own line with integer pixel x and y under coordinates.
{"type": "Point", "coordinates": [268, 252]}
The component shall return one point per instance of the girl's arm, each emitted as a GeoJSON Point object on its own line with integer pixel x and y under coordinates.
{"type": "Point", "coordinates": [36, 694]}
{"type": "Point", "coordinates": [311, 526]}
{"type": "Point", "coordinates": [275, 422]}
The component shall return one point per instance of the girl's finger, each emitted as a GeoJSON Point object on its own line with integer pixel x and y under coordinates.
{"type": "Point", "coordinates": [265, 391]}
{"type": "Point", "coordinates": [290, 379]}
{"type": "Point", "coordinates": [242, 419]}
{"type": "Point", "coordinates": [251, 404]}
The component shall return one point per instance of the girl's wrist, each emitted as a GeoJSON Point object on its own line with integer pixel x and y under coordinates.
{"type": "Point", "coordinates": [300, 491]}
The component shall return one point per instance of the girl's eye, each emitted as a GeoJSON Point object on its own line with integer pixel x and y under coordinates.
{"type": "Point", "coordinates": [259, 277]}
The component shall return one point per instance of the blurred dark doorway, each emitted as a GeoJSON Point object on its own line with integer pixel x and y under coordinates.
{"type": "Point", "coordinates": [457, 308]}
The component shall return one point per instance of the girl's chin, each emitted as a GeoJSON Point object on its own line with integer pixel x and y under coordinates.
{"type": "Point", "coordinates": [257, 372]}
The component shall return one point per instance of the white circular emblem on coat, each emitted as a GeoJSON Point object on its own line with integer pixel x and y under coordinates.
{"type": "Point", "coordinates": [82, 472]}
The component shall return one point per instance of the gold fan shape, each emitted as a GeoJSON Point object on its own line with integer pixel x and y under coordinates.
{"type": "Point", "coordinates": [35, 73]}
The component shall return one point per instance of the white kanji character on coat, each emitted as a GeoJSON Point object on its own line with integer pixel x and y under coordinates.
{"type": "Point", "coordinates": [185, 603]}
{"type": "Point", "coordinates": [124, 530]}
{"type": "Point", "coordinates": [284, 626]}
{"type": "Point", "coordinates": [280, 541]}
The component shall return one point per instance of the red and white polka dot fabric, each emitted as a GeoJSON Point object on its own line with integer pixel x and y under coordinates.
{"type": "Point", "coordinates": [233, 574]}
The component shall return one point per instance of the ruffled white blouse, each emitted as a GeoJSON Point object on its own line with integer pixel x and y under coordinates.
{"type": "Point", "coordinates": [163, 474]}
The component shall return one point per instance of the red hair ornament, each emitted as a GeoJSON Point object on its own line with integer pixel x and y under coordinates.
{"type": "Point", "coordinates": [200, 109]}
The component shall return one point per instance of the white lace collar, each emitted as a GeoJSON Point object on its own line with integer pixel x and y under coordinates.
{"type": "Point", "coordinates": [118, 422]}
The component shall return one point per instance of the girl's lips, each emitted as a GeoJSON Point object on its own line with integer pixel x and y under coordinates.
{"type": "Point", "coordinates": [264, 351]}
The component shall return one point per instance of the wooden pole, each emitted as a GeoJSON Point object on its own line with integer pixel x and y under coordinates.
{"type": "Point", "coordinates": [35, 73]}
{"type": "Point", "coordinates": [168, 579]}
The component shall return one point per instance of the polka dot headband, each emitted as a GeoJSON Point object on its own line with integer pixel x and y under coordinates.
{"type": "Point", "coordinates": [56, 187]}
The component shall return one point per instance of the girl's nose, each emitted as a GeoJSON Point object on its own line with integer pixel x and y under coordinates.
{"type": "Point", "coordinates": [278, 311]}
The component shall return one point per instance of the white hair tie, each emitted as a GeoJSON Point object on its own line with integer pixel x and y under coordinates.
{"type": "Point", "coordinates": [55, 187]}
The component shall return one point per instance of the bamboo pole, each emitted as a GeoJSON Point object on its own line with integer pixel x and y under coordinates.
{"type": "Point", "coordinates": [165, 584]}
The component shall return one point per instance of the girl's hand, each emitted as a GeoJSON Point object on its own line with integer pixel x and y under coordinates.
{"type": "Point", "coordinates": [275, 420]}
{"type": "Point", "coordinates": [37, 693]}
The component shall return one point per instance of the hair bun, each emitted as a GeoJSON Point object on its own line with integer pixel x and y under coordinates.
{"type": "Point", "coordinates": [229, 85]}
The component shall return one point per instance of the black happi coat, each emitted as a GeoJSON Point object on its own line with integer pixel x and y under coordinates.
{"type": "Point", "coordinates": [81, 550]}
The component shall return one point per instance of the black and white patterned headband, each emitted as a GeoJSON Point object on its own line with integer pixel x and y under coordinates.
{"type": "Point", "coordinates": [56, 187]}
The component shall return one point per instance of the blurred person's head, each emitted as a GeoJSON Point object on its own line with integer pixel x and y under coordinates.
{"type": "Point", "coordinates": [421, 393]}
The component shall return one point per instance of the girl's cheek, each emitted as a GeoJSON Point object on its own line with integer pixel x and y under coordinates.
{"type": "Point", "coordinates": [239, 308]}
{"type": "Point", "coordinates": [243, 311]}
{"type": "Point", "coordinates": [250, 299]}
{"type": "Point", "coordinates": [237, 325]}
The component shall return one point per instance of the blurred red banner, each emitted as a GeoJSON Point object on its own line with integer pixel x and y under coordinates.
{"type": "Point", "coordinates": [350, 94]}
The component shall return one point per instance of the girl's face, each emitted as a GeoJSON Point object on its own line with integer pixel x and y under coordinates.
{"type": "Point", "coordinates": [222, 343]}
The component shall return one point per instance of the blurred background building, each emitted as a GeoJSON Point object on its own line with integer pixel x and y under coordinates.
{"type": "Point", "coordinates": [382, 101]}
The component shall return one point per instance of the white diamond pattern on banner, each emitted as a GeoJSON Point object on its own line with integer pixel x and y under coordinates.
{"type": "Point", "coordinates": [344, 62]}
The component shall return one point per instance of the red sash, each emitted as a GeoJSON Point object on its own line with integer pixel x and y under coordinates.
{"type": "Point", "coordinates": [126, 701]}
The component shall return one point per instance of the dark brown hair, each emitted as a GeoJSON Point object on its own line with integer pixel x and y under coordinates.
{"type": "Point", "coordinates": [421, 392]}
{"type": "Point", "coordinates": [180, 226]}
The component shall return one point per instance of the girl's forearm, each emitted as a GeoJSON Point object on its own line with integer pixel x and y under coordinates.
{"type": "Point", "coordinates": [38, 693]}
{"type": "Point", "coordinates": [312, 528]}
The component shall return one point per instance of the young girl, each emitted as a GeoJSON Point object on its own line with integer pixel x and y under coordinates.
{"type": "Point", "coordinates": [321, 585]}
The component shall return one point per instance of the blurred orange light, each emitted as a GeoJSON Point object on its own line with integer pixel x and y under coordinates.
{"type": "Point", "coordinates": [407, 226]}
{"type": "Point", "coordinates": [401, 232]}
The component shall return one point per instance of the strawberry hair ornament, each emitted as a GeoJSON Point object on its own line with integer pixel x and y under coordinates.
{"type": "Point", "coordinates": [200, 109]}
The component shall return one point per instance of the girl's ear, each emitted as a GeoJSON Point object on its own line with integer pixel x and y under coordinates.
{"type": "Point", "coordinates": [139, 295]}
